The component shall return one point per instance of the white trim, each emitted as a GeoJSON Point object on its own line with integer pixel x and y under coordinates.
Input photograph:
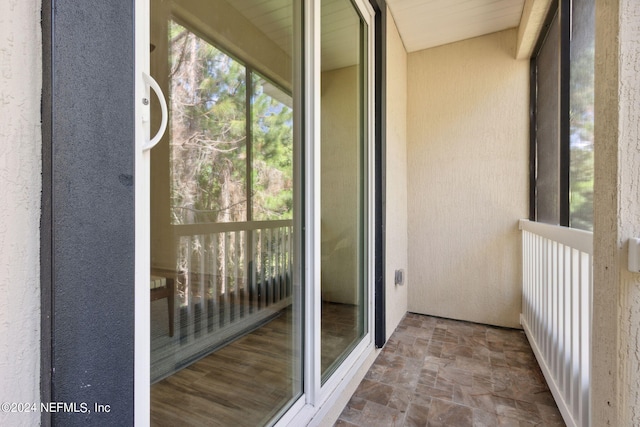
{"type": "Point", "coordinates": [312, 192]}
{"type": "Point", "coordinates": [298, 414]}
{"type": "Point", "coordinates": [346, 370]}
{"type": "Point", "coordinates": [578, 239]}
{"type": "Point", "coordinates": [313, 415]}
{"type": "Point", "coordinates": [338, 380]}
{"type": "Point", "coordinates": [371, 127]}
{"type": "Point", "coordinates": [566, 412]}
{"type": "Point", "coordinates": [142, 347]}
{"type": "Point", "coordinates": [347, 384]}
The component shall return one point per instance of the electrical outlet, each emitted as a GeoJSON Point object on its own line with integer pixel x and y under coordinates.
{"type": "Point", "coordinates": [634, 255]}
{"type": "Point", "coordinates": [399, 277]}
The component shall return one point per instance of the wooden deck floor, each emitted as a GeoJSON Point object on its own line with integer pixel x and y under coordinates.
{"type": "Point", "coordinates": [242, 384]}
{"type": "Point", "coordinates": [247, 382]}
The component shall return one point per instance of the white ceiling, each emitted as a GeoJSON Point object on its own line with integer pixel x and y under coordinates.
{"type": "Point", "coordinates": [422, 23]}
{"type": "Point", "coordinates": [428, 23]}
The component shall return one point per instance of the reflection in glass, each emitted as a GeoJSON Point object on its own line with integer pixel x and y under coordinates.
{"type": "Point", "coordinates": [581, 113]}
{"type": "Point", "coordinates": [225, 313]}
{"type": "Point", "coordinates": [272, 148]}
{"type": "Point", "coordinates": [343, 83]}
{"type": "Point", "coordinates": [208, 131]}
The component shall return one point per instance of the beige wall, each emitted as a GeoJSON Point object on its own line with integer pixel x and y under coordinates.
{"type": "Point", "coordinates": [396, 208]}
{"type": "Point", "coordinates": [615, 380]}
{"type": "Point", "coordinates": [339, 201]}
{"type": "Point", "coordinates": [467, 178]}
{"type": "Point", "coordinates": [20, 168]}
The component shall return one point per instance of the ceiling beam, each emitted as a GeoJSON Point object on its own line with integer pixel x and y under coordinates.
{"type": "Point", "coordinates": [533, 17]}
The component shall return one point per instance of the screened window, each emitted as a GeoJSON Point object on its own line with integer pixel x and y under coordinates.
{"type": "Point", "coordinates": [562, 125]}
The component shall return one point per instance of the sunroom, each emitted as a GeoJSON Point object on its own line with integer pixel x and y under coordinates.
{"type": "Point", "coordinates": [303, 175]}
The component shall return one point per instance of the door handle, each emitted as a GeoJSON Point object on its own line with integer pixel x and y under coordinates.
{"type": "Point", "coordinates": [150, 83]}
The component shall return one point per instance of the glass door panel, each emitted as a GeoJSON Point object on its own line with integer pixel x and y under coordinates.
{"type": "Point", "coordinates": [225, 309]}
{"type": "Point", "coordinates": [343, 182]}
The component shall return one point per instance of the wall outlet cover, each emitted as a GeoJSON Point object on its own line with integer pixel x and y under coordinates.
{"type": "Point", "coordinates": [634, 255]}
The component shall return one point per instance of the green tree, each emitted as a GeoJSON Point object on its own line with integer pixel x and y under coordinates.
{"type": "Point", "coordinates": [581, 125]}
{"type": "Point", "coordinates": [209, 137]}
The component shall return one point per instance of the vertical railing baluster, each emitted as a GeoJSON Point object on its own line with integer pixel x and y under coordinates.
{"type": "Point", "coordinates": [222, 283]}
{"type": "Point", "coordinates": [538, 288]}
{"type": "Point", "coordinates": [545, 303]}
{"type": "Point", "coordinates": [242, 255]}
{"type": "Point", "coordinates": [536, 284]}
{"type": "Point", "coordinates": [585, 303]}
{"type": "Point", "coordinates": [550, 302]}
{"type": "Point", "coordinates": [531, 260]}
{"type": "Point", "coordinates": [225, 278]}
{"type": "Point", "coordinates": [566, 284]}
{"type": "Point", "coordinates": [540, 282]}
{"type": "Point", "coordinates": [215, 294]}
{"type": "Point", "coordinates": [525, 266]}
{"type": "Point", "coordinates": [557, 296]}
{"type": "Point", "coordinates": [543, 295]}
{"type": "Point", "coordinates": [554, 307]}
{"type": "Point", "coordinates": [569, 384]}
{"type": "Point", "coordinates": [199, 289]}
{"type": "Point", "coordinates": [575, 333]}
{"type": "Point", "coordinates": [254, 270]}
{"type": "Point", "coordinates": [185, 310]}
{"type": "Point", "coordinates": [210, 290]}
{"type": "Point", "coordinates": [235, 294]}
{"type": "Point", "coordinates": [263, 278]}
{"type": "Point", "coordinates": [588, 333]}
{"type": "Point", "coordinates": [270, 267]}
{"type": "Point", "coordinates": [560, 312]}
{"type": "Point", "coordinates": [278, 265]}
{"type": "Point", "coordinates": [290, 266]}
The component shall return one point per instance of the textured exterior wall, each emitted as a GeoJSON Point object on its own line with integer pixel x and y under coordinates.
{"type": "Point", "coordinates": [468, 178]}
{"type": "Point", "coordinates": [396, 169]}
{"type": "Point", "coordinates": [20, 167]}
{"type": "Point", "coordinates": [615, 391]}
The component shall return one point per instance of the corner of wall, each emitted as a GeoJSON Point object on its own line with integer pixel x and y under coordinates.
{"type": "Point", "coordinates": [20, 186]}
{"type": "Point", "coordinates": [615, 370]}
{"type": "Point", "coordinates": [468, 178]}
{"type": "Point", "coordinates": [396, 170]}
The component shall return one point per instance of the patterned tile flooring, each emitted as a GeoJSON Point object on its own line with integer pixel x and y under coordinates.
{"type": "Point", "coordinates": [441, 372]}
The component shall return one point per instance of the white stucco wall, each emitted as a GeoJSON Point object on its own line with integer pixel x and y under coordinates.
{"type": "Point", "coordinates": [396, 169]}
{"type": "Point", "coordinates": [615, 379]}
{"type": "Point", "coordinates": [468, 178]}
{"type": "Point", "coordinates": [20, 166]}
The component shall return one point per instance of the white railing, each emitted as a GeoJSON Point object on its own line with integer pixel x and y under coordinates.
{"type": "Point", "coordinates": [229, 279]}
{"type": "Point", "coordinates": [556, 311]}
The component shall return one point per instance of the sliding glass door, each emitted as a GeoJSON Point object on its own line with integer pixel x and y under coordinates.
{"type": "Point", "coordinates": [254, 215]}
{"type": "Point", "coordinates": [225, 302]}
{"type": "Point", "coordinates": [343, 221]}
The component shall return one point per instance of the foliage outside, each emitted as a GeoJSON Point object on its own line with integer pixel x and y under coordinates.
{"type": "Point", "coordinates": [209, 137]}
{"type": "Point", "coordinates": [231, 157]}
{"type": "Point", "coordinates": [581, 119]}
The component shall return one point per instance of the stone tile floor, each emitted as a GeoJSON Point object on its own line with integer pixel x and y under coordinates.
{"type": "Point", "coordinates": [441, 372]}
